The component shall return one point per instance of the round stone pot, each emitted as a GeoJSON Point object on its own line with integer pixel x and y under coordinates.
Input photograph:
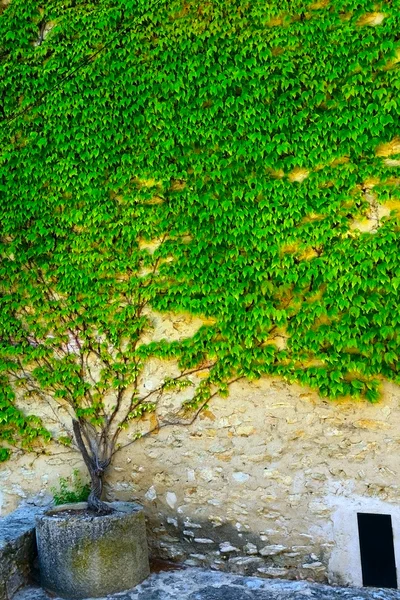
{"type": "Point", "coordinates": [87, 556]}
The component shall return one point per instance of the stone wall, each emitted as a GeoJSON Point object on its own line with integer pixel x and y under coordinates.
{"type": "Point", "coordinates": [17, 550]}
{"type": "Point", "coordinates": [267, 481]}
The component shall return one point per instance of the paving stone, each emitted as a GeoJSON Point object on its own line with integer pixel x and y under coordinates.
{"type": "Point", "coordinates": [225, 592]}
{"type": "Point", "coordinates": [202, 584]}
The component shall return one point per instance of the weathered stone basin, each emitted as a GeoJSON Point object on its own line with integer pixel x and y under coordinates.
{"type": "Point", "coordinates": [82, 555]}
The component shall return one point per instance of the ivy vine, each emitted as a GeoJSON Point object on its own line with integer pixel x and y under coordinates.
{"type": "Point", "coordinates": [255, 146]}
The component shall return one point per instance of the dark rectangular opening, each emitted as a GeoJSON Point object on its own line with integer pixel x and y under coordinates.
{"type": "Point", "coordinates": [377, 551]}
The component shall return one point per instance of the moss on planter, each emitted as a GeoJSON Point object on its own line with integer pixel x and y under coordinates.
{"type": "Point", "coordinates": [86, 556]}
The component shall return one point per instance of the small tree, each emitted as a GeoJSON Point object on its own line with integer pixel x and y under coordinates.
{"type": "Point", "coordinates": [72, 326]}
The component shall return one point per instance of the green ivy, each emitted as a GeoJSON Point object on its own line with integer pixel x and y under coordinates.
{"type": "Point", "coordinates": [245, 137]}
{"type": "Point", "coordinates": [17, 430]}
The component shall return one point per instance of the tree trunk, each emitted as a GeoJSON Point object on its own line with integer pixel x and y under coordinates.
{"type": "Point", "coordinates": [96, 470]}
{"type": "Point", "coordinates": [94, 500]}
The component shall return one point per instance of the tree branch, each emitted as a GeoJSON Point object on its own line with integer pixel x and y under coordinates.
{"type": "Point", "coordinates": [177, 423]}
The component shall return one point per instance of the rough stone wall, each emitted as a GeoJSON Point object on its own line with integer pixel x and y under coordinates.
{"type": "Point", "coordinates": [267, 481]}
{"type": "Point", "coordinates": [17, 550]}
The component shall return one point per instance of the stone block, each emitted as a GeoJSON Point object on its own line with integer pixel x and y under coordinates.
{"type": "Point", "coordinates": [17, 550]}
{"type": "Point", "coordinates": [272, 550]}
{"type": "Point", "coordinates": [272, 572]}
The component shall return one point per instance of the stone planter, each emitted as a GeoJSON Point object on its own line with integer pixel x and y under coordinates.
{"type": "Point", "coordinates": [86, 556]}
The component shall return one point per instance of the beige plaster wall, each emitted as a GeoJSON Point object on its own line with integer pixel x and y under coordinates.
{"type": "Point", "coordinates": [267, 481]}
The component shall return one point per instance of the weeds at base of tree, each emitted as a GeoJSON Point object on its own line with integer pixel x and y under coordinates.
{"type": "Point", "coordinates": [70, 489]}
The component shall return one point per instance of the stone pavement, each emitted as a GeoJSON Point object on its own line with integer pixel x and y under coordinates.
{"type": "Point", "coordinates": [201, 584]}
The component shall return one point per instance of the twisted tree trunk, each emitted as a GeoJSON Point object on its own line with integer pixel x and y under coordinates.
{"type": "Point", "coordinates": [96, 470]}
{"type": "Point", "coordinates": [94, 501]}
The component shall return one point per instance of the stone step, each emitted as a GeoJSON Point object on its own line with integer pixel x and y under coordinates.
{"type": "Point", "coordinates": [201, 584]}
{"type": "Point", "coordinates": [17, 549]}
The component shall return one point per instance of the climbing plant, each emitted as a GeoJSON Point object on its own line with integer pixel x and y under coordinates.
{"type": "Point", "coordinates": [231, 159]}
